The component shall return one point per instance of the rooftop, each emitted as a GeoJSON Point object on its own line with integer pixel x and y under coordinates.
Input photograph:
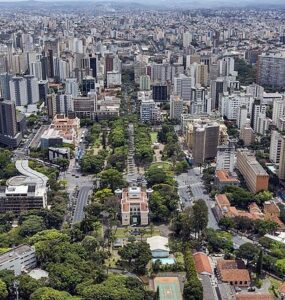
{"type": "Point", "coordinates": [224, 176]}
{"type": "Point", "coordinates": [222, 200]}
{"type": "Point", "coordinates": [254, 296]}
{"type": "Point", "coordinates": [15, 253]}
{"type": "Point", "coordinates": [202, 263]}
{"type": "Point", "coordinates": [158, 243]}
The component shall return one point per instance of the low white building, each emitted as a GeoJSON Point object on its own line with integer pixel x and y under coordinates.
{"type": "Point", "coordinates": [158, 246]}
{"type": "Point", "coordinates": [19, 259]}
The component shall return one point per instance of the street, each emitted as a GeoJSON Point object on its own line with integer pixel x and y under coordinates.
{"type": "Point", "coordinates": [81, 202]}
{"type": "Point", "coordinates": [193, 180]}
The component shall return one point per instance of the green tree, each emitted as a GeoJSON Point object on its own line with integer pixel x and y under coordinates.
{"type": "Point", "coordinates": [28, 285]}
{"type": "Point", "coordinates": [3, 290]}
{"type": "Point", "coordinates": [248, 251]}
{"type": "Point", "coordinates": [263, 227]}
{"type": "Point", "coordinates": [64, 276]}
{"type": "Point", "coordinates": [227, 223]}
{"type": "Point", "coordinates": [47, 293]}
{"type": "Point", "coordinates": [181, 167]}
{"type": "Point", "coordinates": [199, 217]}
{"type": "Point", "coordinates": [263, 196]}
{"type": "Point", "coordinates": [32, 225]}
{"type": "Point", "coordinates": [62, 162]}
{"type": "Point", "coordinates": [92, 163]}
{"type": "Point", "coordinates": [259, 263]}
{"type": "Point", "coordinates": [136, 255]}
{"type": "Point", "coordinates": [111, 178]}
{"type": "Point", "coordinates": [115, 287]}
{"type": "Point", "coordinates": [193, 290]}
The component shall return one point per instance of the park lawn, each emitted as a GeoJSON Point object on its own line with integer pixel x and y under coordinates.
{"type": "Point", "coordinates": [125, 233]}
{"type": "Point", "coordinates": [224, 234]}
{"type": "Point", "coordinates": [166, 166]}
{"type": "Point", "coordinates": [153, 136]}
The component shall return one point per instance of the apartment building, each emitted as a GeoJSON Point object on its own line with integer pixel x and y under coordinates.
{"type": "Point", "coordinates": [255, 176]}
{"type": "Point", "coordinates": [225, 157]}
{"type": "Point", "coordinates": [247, 135]}
{"type": "Point", "coordinates": [205, 141]}
{"type": "Point", "coordinates": [176, 107]}
{"type": "Point", "coordinates": [271, 69]}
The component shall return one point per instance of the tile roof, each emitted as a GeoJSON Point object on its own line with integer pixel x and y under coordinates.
{"type": "Point", "coordinates": [271, 207]}
{"type": "Point", "coordinates": [254, 296]}
{"type": "Point", "coordinates": [222, 200]}
{"type": "Point", "coordinates": [224, 176]}
{"type": "Point", "coordinates": [235, 275]}
{"type": "Point", "coordinates": [202, 263]}
{"type": "Point", "coordinates": [230, 264]}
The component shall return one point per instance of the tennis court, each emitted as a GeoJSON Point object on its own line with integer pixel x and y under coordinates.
{"type": "Point", "coordinates": [169, 288]}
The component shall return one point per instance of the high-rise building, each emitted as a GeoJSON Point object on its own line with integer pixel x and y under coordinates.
{"type": "Point", "coordinates": [199, 103]}
{"type": "Point", "coordinates": [257, 108]}
{"type": "Point", "coordinates": [182, 87]}
{"type": "Point", "coordinates": [71, 87]}
{"type": "Point", "coordinates": [218, 87]}
{"type": "Point", "coordinates": [149, 112]}
{"type": "Point", "coordinates": [160, 93]}
{"type": "Point", "coordinates": [241, 116]}
{"type": "Point", "coordinates": [32, 88]}
{"type": "Point", "coordinates": [247, 135]}
{"type": "Point", "coordinates": [109, 63]}
{"type": "Point", "coordinates": [144, 83]}
{"type": "Point", "coordinates": [51, 105]}
{"type": "Point", "coordinates": [205, 141]}
{"type": "Point", "coordinates": [277, 111]}
{"type": "Point", "coordinates": [176, 107]}
{"type": "Point", "coordinates": [88, 84]}
{"type": "Point", "coordinates": [281, 168]}
{"type": "Point", "coordinates": [64, 104]}
{"type": "Point", "coordinates": [18, 91]}
{"type": "Point", "coordinates": [44, 63]}
{"type": "Point", "coordinates": [36, 69]}
{"type": "Point", "coordinates": [50, 64]}
{"type": "Point", "coordinates": [271, 70]}
{"type": "Point", "coordinates": [187, 39]}
{"type": "Point", "coordinates": [276, 142]}
{"type": "Point", "coordinates": [225, 157]}
{"type": "Point", "coordinates": [93, 66]}
{"type": "Point", "coordinates": [43, 90]}
{"type": "Point", "coordinates": [263, 124]}
{"type": "Point", "coordinates": [255, 176]}
{"type": "Point", "coordinates": [9, 134]}
{"type": "Point", "coordinates": [229, 104]}
{"type": "Point", "coordinates": [5, 85]}
{"type": "Point", "coordinates": [255, 90]}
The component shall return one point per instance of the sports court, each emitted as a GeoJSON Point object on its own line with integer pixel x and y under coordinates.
{"type": "Point", "coordinates": [169, 288]}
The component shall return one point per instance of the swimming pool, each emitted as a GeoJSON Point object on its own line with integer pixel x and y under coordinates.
{"type": "Point", "coordinates": [165, 260]}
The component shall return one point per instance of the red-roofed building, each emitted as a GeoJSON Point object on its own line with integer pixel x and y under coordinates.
{"type": "Point", "coordinates": [202, 263]}
{"type": "Point", "coordinates": [233, 272]}
{"type": "Point", "coordinates": [223, 178]}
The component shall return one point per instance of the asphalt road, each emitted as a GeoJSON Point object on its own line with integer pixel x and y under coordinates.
{"type": "Point", "coordinates": [193, 180]}
{"type": "Point", "coordinates": [81, 202]}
